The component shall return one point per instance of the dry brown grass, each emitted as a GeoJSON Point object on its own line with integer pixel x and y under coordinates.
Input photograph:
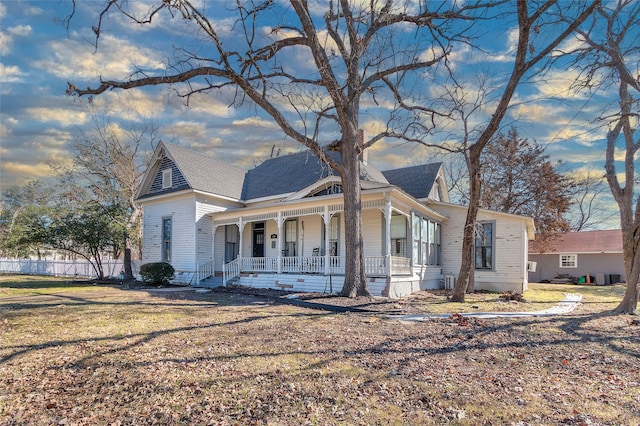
{"type": "Point", "coordinates": [109, 356]}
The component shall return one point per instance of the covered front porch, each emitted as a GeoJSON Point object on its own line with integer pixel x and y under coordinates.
{"type": "Point", "coordinates": [299, 244]}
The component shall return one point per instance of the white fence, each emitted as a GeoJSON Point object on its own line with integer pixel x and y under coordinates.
{"type": "Point", "coordinates": [63, 268]}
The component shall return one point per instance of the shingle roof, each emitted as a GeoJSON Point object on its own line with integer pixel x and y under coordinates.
{"type": "Point", "coordinates": [285, 175]}
{"type": "Point", "coordinates": [416, 181]}
{"type": "Point", "coordinates": [207, 174]}
{"type": "Point", "coordinates": [293, 172]}
{"type": "Point", "coordinates": [607, 241]}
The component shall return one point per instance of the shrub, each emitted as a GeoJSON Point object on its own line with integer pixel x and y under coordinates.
{"type": "Point", "coordinates": [158, 273]}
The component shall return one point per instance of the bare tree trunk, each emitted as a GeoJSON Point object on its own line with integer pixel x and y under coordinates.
{"type": "Point", "coordinates": [631, 244]}
{"type": "Point", "coordinates": [355, 281]}
{"type": "Point", "coordinates": [465, 277]}
{"type": "Point", "coordinates": [623, 194]}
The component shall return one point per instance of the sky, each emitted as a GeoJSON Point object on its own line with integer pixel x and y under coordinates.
{"type": "Point", "coordinates": [40, 54]}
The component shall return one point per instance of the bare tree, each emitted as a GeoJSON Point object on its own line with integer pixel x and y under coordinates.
{"type": "Point", "coordinates": [533, 19]}
{"type": "Point", "coordinates": [609, 54]}
{"type": "Point", "coordinates": [587, 209]}
{"type": "Point", "coordinates": [358, 51]}
{"type": "Point", "coordinates": [371, 51]}
{"type": "Point", "coordinates": [108, 164]}
{"type": "Point", "coordinates": [519, 178]}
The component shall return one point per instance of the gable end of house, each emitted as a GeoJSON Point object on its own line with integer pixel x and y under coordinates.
{"type": "Point", "coordinates": [161, 183]}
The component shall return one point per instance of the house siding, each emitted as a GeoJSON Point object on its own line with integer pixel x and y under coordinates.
{"type": "Point", "coordinates": [548, 266]}
{"type": "Point", "coordinates": [372, 226]}
{"type": "Point", "coordinates": [182, 212]}
{"type": "Point", "coordinates": [178, 181]}
{"type": "Point", "coordinates": [204, 227]}
{"type": "Point", "coordinates": [510, 256]}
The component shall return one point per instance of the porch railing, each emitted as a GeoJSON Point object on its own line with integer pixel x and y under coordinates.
{"type": "Point", "coordinates": [231, 270]}
{"type": "Point", "coordinates": [401, 266]}
{"type": "Point", "coordinates": [374, 265]}
{"type": "Point", "coordinates": [204, 271]}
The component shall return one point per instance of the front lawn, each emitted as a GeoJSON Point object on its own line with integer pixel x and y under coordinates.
{"type": "Point", "coordinates": [110, 356]}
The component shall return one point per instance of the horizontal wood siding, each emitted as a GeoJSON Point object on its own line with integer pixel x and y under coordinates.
{"type": "Point", "coordinates": [271, 228]}
{"type": "Point", "coordinates": [182, 212]}
{"type": "Point", "coordinates": [372, 226]}
{"type": "Point", "coordinates": [548, 266]}
{"type": "Point", "coordinates": [510, 254]}
{"type": "Point", "coordinates": [219, 248]}
{"type": "Point", "coordinates": [310, 234]}
{"type": "Point", "coordinates": [204, 227]}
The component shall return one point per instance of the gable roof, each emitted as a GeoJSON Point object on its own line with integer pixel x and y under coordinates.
{"type": "Point", "coordinates": [293, 172]}
{"type": "Point", "coordinates": [416, 181]}
{"type": "Point", "coordinates": [200, 172]}
{"type": "Point", "coordinates": [285, 175]}
{"type": "Point", "coordinates": [607, 241]}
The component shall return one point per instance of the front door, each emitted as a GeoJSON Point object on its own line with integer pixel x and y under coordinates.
{"type": "Point", "coordinates": [258, 239]}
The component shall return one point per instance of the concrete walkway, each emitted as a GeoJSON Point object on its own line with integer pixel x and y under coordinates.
{"type": "Point", "coordinates": [570, 302]}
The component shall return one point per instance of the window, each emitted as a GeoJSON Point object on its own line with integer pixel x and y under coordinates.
{"type": "Point", "coordinates": [426, 241]}
{"type": "Point", "coordinates": [231, 243]}
{"type": "Point", "coordinates": [434, 243]}
{"type": "Point", "coordinates": [166, 179]}
{"type": "Point", "coordinates": [416, 239]}
{"type": "Point", "coordinates": [484, 245]}
{"type": "Point", "coordinates": [290, 237]}
{"type": "Point", "coordinates": [568, 260]}
{"type": "Point", "coordinates": [166, 239]}
{"type": "Point", "coordinates": [334, 235]}
{"type": "Point", "coordinates": [398, 235]}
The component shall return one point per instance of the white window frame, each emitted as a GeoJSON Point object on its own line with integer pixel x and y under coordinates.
{"type": "Point", "coordinates": [564, 261]}
{"type": "Point", "coordinates": [167, 239]}
{"type": "Point", "coordinates": [167, 180]}
{"type": "Point", "coordinates": [491, 245]}
{"type": "Point", "coordinates": [423, 243]}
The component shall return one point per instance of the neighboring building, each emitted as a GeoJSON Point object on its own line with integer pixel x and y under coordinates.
{"type": "Point", "coordinates": [281, 225]}
{"type": "Point", "coordinates": [596, 254]}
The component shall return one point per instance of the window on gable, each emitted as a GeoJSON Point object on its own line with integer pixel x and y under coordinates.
{"type": "Point", "coordinates": [484, 245]}
{"type": "Point", "coordinates": [568, 260]}
{"type": "Point", "coordinates": [329, 190]}
{"type": "Point", "coordinates": [166, 179]}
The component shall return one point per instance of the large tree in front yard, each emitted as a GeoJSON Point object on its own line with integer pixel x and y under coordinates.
{"type": "Point", "coordinates": [310, 67]}
{"type": "Point", "coordinates": [539, 35]}
{"type": "Point", "coordinates": [313, 67]}
{"type": "Point", "coordinates": [610, 55]}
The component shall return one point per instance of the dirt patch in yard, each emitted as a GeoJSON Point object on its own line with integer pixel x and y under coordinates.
{"type": "Point", "coordinates": [223, 357]}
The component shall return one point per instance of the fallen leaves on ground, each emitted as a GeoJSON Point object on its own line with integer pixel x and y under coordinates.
{"type": "Point", "coordinates": [230, 358]}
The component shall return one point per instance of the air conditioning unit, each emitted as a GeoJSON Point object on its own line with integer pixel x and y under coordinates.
{"type": "Point", "coordinates": [531, 266]}
{"type": "Point", "coordinates": [449, 282]}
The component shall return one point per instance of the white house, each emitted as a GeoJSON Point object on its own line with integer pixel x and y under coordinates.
{"type": "Point", "coordinates": [281, 225]}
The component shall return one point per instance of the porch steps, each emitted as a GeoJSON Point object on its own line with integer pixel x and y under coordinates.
{"type": "Point", "coordinates": [210, 282]}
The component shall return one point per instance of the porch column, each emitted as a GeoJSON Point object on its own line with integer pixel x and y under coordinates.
{"type": "Point", "coordinates": [327, 246]}
{"type": "Point", "coordinates": [240, 228]}
{"type": "Point", "coordinates": [280, 247]}
{"type": "Point", "coordinates": [213, 248]}
{"type": "Point", "coordinates": [387, 224]}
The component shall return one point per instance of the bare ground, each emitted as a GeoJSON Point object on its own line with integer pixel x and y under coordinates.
{"type": "Point", "coordinates": [137, 357]}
